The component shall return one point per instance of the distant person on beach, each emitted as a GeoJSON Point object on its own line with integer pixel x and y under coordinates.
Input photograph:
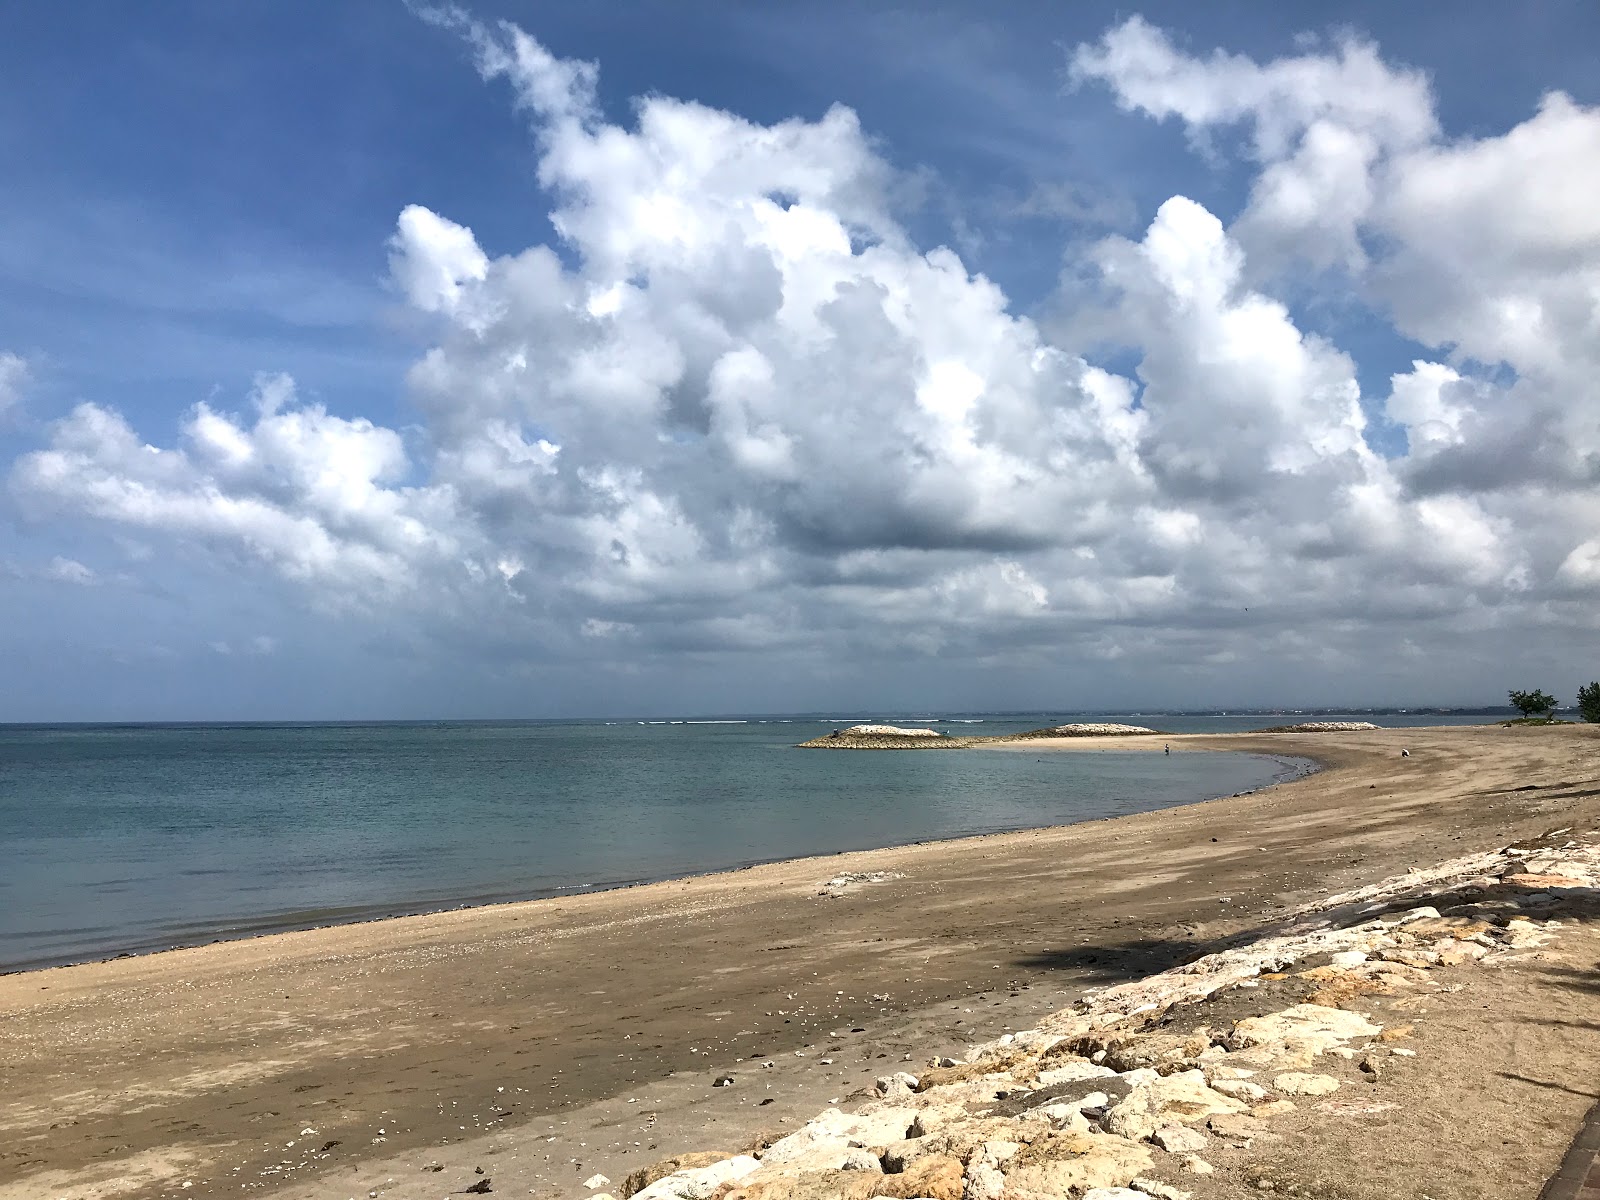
{"type": "Point", "coordinates": [1166, 749]}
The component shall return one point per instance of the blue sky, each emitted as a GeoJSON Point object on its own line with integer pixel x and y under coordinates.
{"type": "Point", "coordinates": [200, 194]}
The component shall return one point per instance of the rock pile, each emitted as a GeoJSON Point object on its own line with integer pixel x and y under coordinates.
{"type": "Point", "coordinates": [1087, 729]}
{"type": "Point", "coordinates": [1123, 1095]}
{"type": "Point", "coordinates": [879, 737]}
{"type": "Point", "coordinates": [1322, 727]}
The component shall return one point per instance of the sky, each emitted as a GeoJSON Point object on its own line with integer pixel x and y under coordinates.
{"type": "Point", "coordinates": [386, 360]}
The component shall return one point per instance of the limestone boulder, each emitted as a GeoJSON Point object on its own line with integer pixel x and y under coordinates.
{"type": "Point", "coordinates": [900, 1155]}
{"type": "Point", "coordinates": [1300, 1032]}
{"type": "Point", "coordinates": [1164, 1053]}
{"type": "Point", "coordinates": [1179, 1139]}
{"type": "Point", "coordinates": [935, 1176]}
{"type": "Point", "coordinates": [899, 1086]}
{"type": "Point", "coordinates": [1072, 1071]}
{"type": "Point", "coordinates": [700, 1183]}
{"type": "Point", "coordinates": [882, 1127]}
{"type": "Point", "coordinates": [645, 1176]}
{"type": "Point", "coordinates": [1241, 1089]}
{"type": "Point", "coordinates": [935, 1117]}
{"type": "Point", "coordinates": [1067, 1164]}
{"type": "Point", "coordinates": [1069, 1118]}
{"type": "Point", "coordinates": [1182, 1098]}
{"type": "Point", "coordinates": [812, 1185]}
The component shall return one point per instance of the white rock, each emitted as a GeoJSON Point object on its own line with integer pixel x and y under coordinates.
{"type": "Point", "coordinates": [813, 1154]}
{"type": "Point", "coordinates": [1417, 914]}
{"type": "Point", "coordinates": [996, 1151]}
{"type": "Point", "coordinates": [879, 1127]}
{"type": "Point", "coordinates": [1312, 1028]}
{"type": "Point", "coordinates": [1171, 1099]}
{"type": "Point", "coordinates": [1161, 1191]}
{"type": "Point", "coordinates": [1072, 1072]}
{"type": "Point", "coordinates": [1140, 1076]}
{"type": "Point", "coordinates": [1068, 1118]}
{"type": "Point", "coordinates": [1179, 1139]}
{"type": "Point", "coordinates": [1115, 1194]}
{"type": "Point", "coordinates": [1196, 1165]}
{"type": "Point", "coordinates": [1349, 958]}
{"type": "Point", "coordinates": [984, 1182]}
{"type": "Point", "coordinates": [1300, 1083]}
{"type": "Point", "coordinates": [1225, 1072]}
{"type": "Point", "coordinates": [595, 1181]}
{"type": "Point", "coordinates": [1240, 1089]}
{"type": "Point", "coordinates": [899, 1086]}
{"type": "Point", "coordinates": [1522, 932]}
{"type": "Point", "coordinates": [698, 1183]}
{"type": "Point", "coordinates": [935, 1117]}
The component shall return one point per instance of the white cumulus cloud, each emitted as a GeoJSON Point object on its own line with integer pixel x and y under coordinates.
{"type": "Point", "coordinates": [735, 408]}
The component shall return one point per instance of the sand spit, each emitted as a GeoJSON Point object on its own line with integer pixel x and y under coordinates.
{"type": "Point", "coordinates": [1132, 1092]}
{"type": "Point", "coordinates": [1323, 727]}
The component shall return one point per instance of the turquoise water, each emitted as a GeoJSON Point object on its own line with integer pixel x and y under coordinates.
{"type": "Point", "coordinates": [122, 839]}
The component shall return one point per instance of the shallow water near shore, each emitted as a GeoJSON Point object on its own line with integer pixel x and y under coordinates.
{"type": "Point", "coordinates": [124, 839]}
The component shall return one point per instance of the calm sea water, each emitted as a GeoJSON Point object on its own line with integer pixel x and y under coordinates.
{"type": "Point", "coordinates": [119, 839]}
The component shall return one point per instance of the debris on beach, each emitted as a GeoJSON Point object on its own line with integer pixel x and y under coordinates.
{"type": "Point", "coordinates": [850, 881]}
{"type": "Point", "coordinates": [1141, 1084]}
{"type": "Point", "coordinates": [1323, 727]}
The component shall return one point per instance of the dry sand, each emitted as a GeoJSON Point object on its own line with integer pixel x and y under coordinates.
{"type": "Point", "coordinates": [548, 1041]}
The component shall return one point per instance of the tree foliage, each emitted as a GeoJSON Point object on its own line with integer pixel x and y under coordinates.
{"type": "Point", "coordinates": [1589, 702]}
{"type": "Point", "coordinates": [1533, 704]}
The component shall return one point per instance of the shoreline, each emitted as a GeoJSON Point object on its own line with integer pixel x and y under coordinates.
{"type": "Point", "coordinates": [272, 925]}
{"type": "Point", "coordinates": [601, 1021]}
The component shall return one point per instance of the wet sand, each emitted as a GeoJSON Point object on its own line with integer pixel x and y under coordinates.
{"type": "Point", "coordinates": [479, 1034]}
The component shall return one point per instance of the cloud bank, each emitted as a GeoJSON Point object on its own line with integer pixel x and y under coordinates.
{"type": "Point", "coordinates": [733, 408]}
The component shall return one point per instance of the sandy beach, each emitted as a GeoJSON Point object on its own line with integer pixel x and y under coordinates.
{"type": "Point", "coordinates": [549, 1041]}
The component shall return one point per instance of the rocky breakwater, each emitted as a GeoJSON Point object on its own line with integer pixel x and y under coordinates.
{"type": "Point", "coordinates": [895, 737]}
{"type": "Point", "coordinates": [883, 737]}
{"type": "Point", "coordinates": [1083, 729]}
{"type": "Point", "coordinates": [1140, 1089]}
{"type": "Point", "coordinates": [1323, 727]}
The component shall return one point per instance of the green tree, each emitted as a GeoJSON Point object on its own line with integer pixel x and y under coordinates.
{"type": "Point", "coordinates": [1532, 704]}
{"type": "Point", "coordinates": [1589, 702]}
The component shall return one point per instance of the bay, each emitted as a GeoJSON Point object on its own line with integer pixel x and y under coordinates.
{"type": "Point", "coordinates": [131, 838]}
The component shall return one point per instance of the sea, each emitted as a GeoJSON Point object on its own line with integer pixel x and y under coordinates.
{"type": "Point", "coordinates": [126, 839]}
